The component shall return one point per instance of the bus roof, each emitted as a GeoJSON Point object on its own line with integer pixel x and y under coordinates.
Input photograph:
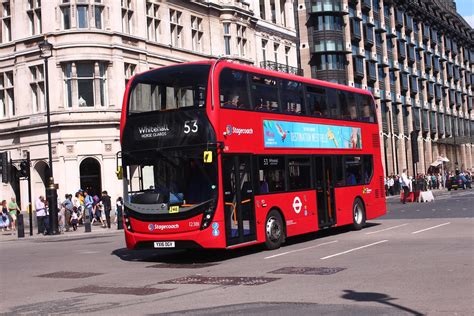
{"type": "Point", "coordinates": [231, 64]}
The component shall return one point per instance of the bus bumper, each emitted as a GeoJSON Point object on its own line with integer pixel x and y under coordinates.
{"type": "Point", "coordinates": [206, 238]}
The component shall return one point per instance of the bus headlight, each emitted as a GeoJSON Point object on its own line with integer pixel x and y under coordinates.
{"type": "Point", "coordinates": [207, 218]}
{"type": "Point", "coordinates": [128, 224]}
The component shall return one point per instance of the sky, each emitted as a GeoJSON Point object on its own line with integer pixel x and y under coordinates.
{"type": "Point", "coordinates": [466, 9]}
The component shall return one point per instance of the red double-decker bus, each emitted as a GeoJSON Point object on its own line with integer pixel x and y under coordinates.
{"type": "Point", "coordinates": [221, 155]}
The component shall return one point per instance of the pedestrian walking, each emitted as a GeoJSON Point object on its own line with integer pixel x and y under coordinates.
{"type": "Point", "coordinates": [118, 209]}
{"type": "Point", "coordinates": [4, 220]}
{"type": "Point", "coordinates": [74, 219]}
{"type": "Point", "coordinates": [13, 210]}
{"type": "Point", "coordinates": [405, 182]}
{"type": "Point", "coordinates": [106, 202]}
{"type": "Point", "coordinates": [68, 207]}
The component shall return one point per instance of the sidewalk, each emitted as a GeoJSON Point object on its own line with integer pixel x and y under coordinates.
{"type": "Point", "coordinates": [79, 233]}
{"type": "Point", "coordinates": [436, 192]}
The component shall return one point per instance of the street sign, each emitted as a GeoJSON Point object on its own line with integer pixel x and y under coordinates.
{"type": "Point", "coordinates": [4, 166]}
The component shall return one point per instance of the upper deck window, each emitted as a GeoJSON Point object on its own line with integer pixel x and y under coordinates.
{"type": "Point", "coordinates": [169, 88]}
{"type": "Point", "coordinates": [292, 97]}
{"type": "Point", "coordinates": [233, 89]}
{"type": "Point", "coordinates": [264, 93]}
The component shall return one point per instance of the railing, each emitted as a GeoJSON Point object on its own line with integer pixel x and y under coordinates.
{"type": "Point", "coordinates": [271, 65]}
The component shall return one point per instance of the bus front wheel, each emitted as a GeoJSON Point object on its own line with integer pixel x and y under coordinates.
{"type": "Point", "coordinates": [274, 230]}
{"type": "Point", "coordinates": [358, 214]}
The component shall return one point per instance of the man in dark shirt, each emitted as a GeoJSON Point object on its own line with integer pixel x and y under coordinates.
{"type": "Point", "coordinates": [107, 206]}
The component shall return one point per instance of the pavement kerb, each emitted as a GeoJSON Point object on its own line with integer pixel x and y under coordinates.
{"type": "Point", "coordinates": [436, 192]}
{"type": "Point", "coordinates": [99, 231]}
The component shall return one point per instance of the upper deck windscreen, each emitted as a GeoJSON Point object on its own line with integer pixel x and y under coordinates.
{"type": "Point", "coordinates": [169, 88]}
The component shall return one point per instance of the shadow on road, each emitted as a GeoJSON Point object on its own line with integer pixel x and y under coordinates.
{"type": "Point", "coordinates": [193, 256]}
{"type": "Point", "coordinates": [377, 297]}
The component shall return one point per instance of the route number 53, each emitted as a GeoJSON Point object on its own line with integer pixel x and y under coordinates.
{"type": "Point", "coordinates": [190, 127]}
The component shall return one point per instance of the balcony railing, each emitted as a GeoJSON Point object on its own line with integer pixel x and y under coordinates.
{"type": "Point", "coordinates": [271, 65]}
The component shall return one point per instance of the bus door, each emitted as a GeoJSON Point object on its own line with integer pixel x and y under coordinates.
{"type": "Point", "coordinates": [325, 191]}
{"type": "Point", "coordinates": [238, 199]}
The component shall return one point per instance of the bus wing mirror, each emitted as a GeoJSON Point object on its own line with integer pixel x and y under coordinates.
{"type": "Point", "coordinates": [119, 172]}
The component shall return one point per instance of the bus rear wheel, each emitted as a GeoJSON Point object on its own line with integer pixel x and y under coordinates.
{"type": "Point", "coordinates": [358, 214]}
{"type": "Point", "coordinates": [274, 230]}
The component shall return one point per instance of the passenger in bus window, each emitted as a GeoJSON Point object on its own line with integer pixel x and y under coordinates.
{"type": "Point", "coordinates": [263, 106]}
{"type": "Point", "coordinates": [233, 101]}
{"type": "Point", "coordinates": [317, 110]}
{"type": "Point", "coordinates": [365, 115]}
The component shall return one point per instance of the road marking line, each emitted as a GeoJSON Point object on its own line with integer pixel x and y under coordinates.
{"type": "Point", "coordinates": [353, 249]}
{"type": "Point", "coordinates": [285, 253]}
{"type": "Point", "coordinates": [382, 230]}
{"type": "Point", "coordinates": [420, 231]}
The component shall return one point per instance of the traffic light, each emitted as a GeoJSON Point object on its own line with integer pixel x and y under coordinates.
{"type": "Point", "coordinates": [24, 168]}
{"type": "Point", "coordinates": [4, 166]}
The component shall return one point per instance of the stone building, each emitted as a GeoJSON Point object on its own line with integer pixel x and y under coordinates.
{"type": "Point", "coordinates": [97, 46]}
{"type": "Point", "coordinates": [417, 58]}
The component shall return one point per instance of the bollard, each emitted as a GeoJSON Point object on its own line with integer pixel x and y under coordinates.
{"type": "Point", "coordinates": [87, 222]}
{"type": "Point", "coordinates": [20, 226]}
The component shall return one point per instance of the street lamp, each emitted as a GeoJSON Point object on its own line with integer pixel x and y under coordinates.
{"type": "Point", "coordinates": [46, 51]}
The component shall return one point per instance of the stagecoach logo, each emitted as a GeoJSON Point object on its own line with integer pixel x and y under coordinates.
{"type": "Point", "coordinates": [152, 131]}
{"type": "Point", "coordinates": [366, 190]}
{"type": "Point", "coordinates": [229, 130]}
{"type": "Point", "coordinates": [153, 227]}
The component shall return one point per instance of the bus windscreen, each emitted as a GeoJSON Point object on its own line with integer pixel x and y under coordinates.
{"type": "Point", "coordinates": [169, 88]}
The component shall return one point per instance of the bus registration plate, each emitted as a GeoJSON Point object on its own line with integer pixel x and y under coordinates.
{"type": "Point", "coordinates": [164, 244]}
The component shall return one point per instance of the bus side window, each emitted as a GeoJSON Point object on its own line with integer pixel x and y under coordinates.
{"type": "Point", "coordinates": [368, 169]}
{"type": "Point", "coordinates": [292, 97]}
{"type": "Point", "coordinates": [317, 105]}
{"type": "Point", "coordinates": [233, 91]}
{"type": "Point", "coordinates": [333, 104]}
{"type": "Point", "coordinates": [353, 170]}
{"type": "Point", "coordinates": [366, 109]}
{"type": "Point", "coordinates": [272, 174]}
{"type": "Point", "coordinates": [264, 93]}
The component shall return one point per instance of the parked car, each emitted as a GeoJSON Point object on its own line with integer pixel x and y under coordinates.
{"type": "Point", "coordinates": [453, 182]}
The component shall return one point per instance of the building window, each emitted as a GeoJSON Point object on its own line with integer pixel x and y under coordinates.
{"type": "Point", "coordinates": [7, 98]}
{"type": "Point", "coordinates": [66, 14]}
{"type": "Point", "coordinates": [87, 15]}
{"type": "Point", "coordinates": [196, 33]}
{"type": "Point", "coordinates": [275, 51]}
{"type": "Point", "coordinates": [129, 72]}
{"type": "Point", "coordinates": [264, 50]}
{"type": "Point", "coordinates": [82, 16]}
{"type": "Point", "coordinates": [330, 62]}
{"type": "Point", "coordinates": [330, 23]}
{"type": "Point", "coordinates": [241, 40]}
{"type": "Point", "coordinates": [227, 39]}
{"type": "Point", "coordinates": [287, 56]}
{"type": "Point", "coordinates": [5, 18]}
{"type": "Point", "coordinates": [34, 16]}
{"type": "Point", "coordinates": [85, 84]}
{"type": "Point", "coordinates": [98, 10]}
{"type": "Point", "coordinates": [37, 88]}
{"type": "Point", "coordinates": [127, 16]}
{"type": "Point", "coordinates": [176, 28]}
{"type": "Point", "coordinates": [153, 21]}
